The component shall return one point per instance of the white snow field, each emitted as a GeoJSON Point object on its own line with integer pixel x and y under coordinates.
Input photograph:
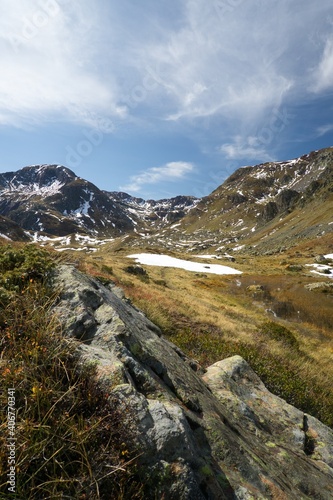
{"type": "Point", "coordinates": [165, 261]}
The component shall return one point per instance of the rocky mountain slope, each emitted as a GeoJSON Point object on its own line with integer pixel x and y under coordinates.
{"type": "Point", "coordinates": [12, 231]}
{"type": "Point", "coordinates": [151, 215]}
{"type": "Point", "coordinates": [217, 434]}
{"type": "Point", "coordinates": [267, 207]}
{"type": "Point", "coordinates": [52, 200]}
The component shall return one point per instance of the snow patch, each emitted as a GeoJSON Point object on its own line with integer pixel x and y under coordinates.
{"type": "Point", "coordinates": [207, 256]}
{"type": "Point", "coordinates": [34, 189]}
{"type": "Point", "coordinates": [81, 249]}
{"type": "Point", "coordinates": [167, 261]}
{"type": "Point", "coordinates": [5, 236]}
{"type": "Point", "coordinates": [239, 247]}
{"type": "Point", "coordinates": [323, 269]}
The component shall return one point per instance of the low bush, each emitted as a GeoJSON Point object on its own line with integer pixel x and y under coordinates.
{"type": "Point", "coordinates": [278, 332]}
{"type": "Point", "coordinates": [138, 271]}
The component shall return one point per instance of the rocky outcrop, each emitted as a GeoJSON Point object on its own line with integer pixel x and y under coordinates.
{"type": "Point", "coordinates": [279, 425]}
{"type": "Point", "coordinates": [269, 211]}
{"type": "Point", "coordinates": [286, 199]}
{"type": "Point", "coordinates": [213, 435]}
{"type": "Point", "coordinates": [322, 286]}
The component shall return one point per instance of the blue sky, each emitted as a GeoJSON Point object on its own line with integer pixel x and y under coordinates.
{"type": "Point", "coordinates": [163, 97]}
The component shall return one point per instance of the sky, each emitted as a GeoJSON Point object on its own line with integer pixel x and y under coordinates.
{"type": "Point", "coordinates": [163, 97]}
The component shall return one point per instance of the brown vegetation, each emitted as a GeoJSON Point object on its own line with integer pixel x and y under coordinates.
{"type": "Point", "coordinates": [284, 332]}
{"type": "Point", "coordinates": [71, 439]}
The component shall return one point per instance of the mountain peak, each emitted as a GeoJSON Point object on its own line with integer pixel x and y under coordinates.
{"type": "Point", "coordinates": [36, 175]}
{"type": "Point", "coordinates": [46, 171]}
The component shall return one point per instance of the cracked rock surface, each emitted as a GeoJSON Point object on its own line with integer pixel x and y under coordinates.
{"type": "Point", "coordinates": [222, 434]}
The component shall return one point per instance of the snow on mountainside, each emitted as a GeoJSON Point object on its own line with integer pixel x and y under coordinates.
{"type": "Point", "coordinates": [43, 180]}
{"type": "Point", "coordinates": [52, 200]}
{"type": "Point", "coordinates": [264, 207]}
{"type": "Point", "coordinates": [156, 214]}
{"type": "Point", "coordinates": [261, 207]}
{"type": "Point", "coordinates": [266, 181]}
{"type": "Point", "coordinates": [33, 189]}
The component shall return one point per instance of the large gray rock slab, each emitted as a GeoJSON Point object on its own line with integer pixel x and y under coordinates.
{"type": "Point", "coordinates": [277, 423]}
{"type": "Point", "coordinates": [223, 436]}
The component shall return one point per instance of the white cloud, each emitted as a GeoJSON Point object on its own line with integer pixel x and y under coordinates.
{"type": "Point", "coordinates": [177, 61]}
{"type": "Point", "coordinates": [235, 66]}
{"type": "Point", "coordinates": [250, 148]}
{"type": "Point", "coordinates": [221, 65]}
{"type": "Point", "coordinates": [324, 129]}
{"type": "Point", "coordinates": [323, 75]}
{"type": "Point", "coordinates": [169, 172]}
{"type": "Point", "coordinates": [47, 57]}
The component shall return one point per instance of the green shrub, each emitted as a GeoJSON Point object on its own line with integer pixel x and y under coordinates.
{"type": "Point", "coordinates": [279, 332]}
{"type": "Point", "coordinates": [106, 269]}
{"type": "Point", "coordinates": [22, 266]}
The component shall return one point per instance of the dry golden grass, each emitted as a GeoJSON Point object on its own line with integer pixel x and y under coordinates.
{"type": "Point", "coordinates": [211, 317]}
{"type": "Point", "coordinates": [71, 440]}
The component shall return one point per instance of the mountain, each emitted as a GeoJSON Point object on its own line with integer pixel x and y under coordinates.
{"type": "Point", "coordinates": [151, 214]}
{"type": "Point", "coordinates": [264, 207]}
{"type": "Point", "coordinates": [52, 200]}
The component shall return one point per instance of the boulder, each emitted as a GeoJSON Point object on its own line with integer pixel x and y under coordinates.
{"type": "Point", "coordinates": [294, 267]}
{"type": "Point", "coordinates": [278, 424]}
{"type": "Point", "coordinates": [320, 259]}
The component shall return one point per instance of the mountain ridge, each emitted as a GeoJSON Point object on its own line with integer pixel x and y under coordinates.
{"type": "Point", "coordinates": [288, 199]}
{"type": "Point", "coordinates": [254, 201]}
{"type": "Point", "coordinates": [53, 200]}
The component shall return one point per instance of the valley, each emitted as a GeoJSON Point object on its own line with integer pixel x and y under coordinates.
{"type": "Point", "coordinates": [277, 314]}
{"type": "Point", "coordinates": [169, 305]}
{"type": "Point", "coordinates": [269, 226]}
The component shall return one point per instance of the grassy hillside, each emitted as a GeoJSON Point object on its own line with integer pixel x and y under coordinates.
{"type": "Point", "coordinates": [267, 315]}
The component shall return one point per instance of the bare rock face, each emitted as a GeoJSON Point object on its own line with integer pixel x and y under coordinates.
{"type": "Point", "coordinates": [278, 424]}
{"type": "Point", "coordinates": [218, 435]}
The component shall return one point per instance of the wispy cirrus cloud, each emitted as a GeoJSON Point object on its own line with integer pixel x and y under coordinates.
{"type": "Point", "coordinates": [182, 61]}
{"type": "Point", "coordinates": [48, 53]}
{"type": "Point", "coordinates": [249, 148]}
{"type": "Point", "coordinates": [214, 70]}
{"type": "Point", "coordinates": [172, 171]}
{"type": "Point", "coordinates": [324, 129]}
{"type": "Point", "coordinates": [323, 74]}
